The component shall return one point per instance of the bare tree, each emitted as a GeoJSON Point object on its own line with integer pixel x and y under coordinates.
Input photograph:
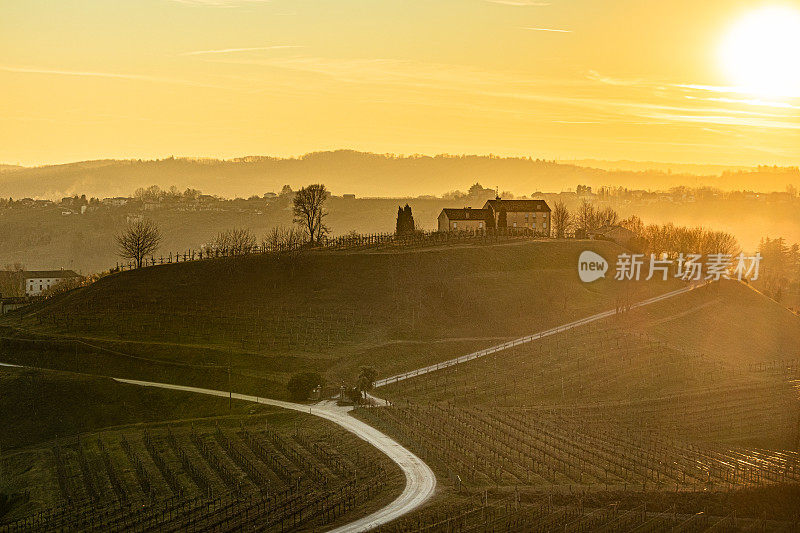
{"type": "Point", "coordinates": [606, 217]}
{"type": "Point", "coordinates": [235, 241]}
{"type": "Point", "coordinates": [308, 211]}
{"type": "Point", "coordinates": [586, 218]}
{"type": "Point", "coordinates": [140, 239]}
{"type": "Point", "coordinates": [282, 239]}
{"type": "Point", "coordinates": [560, 219]}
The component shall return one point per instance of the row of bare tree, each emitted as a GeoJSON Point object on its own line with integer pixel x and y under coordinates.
{"type": "Point", "coordinates": [674, 240]}
{"type": "Point", "coordinates": [650, 238]}
{"type": "Point", "coordinates": [587, 217]}
{"type": "Point", "coordinates": [142, 238]}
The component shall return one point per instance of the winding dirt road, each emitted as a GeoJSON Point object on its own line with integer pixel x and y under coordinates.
{"type": "Point", "coordinates": [420, 479]}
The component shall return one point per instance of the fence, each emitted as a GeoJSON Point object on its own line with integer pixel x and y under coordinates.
{"type": "Point", "coordinates": [349, 242]}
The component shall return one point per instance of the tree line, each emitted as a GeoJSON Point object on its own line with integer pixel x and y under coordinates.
{"type": "Point", "coordinates": [142, 237]}
{"type": "Point", "coordinates": [780, 273]}
{"type": "Point", "coordinates": [648, 238]}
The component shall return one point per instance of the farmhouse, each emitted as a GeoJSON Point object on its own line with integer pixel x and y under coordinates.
{"type": "Point", "coordinates": [530, 214]}
{"type": "Point", "coordinates": [38, 281]}
{"type": "Point", "coordinates": [466, 219]}
{"type": "Point", "coordinates": [524, 215]}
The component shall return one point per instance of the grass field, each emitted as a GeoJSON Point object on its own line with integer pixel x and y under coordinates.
{"type": "Point", "coordinates": [330, 312]}
{"type": "Point", "coordinates": [45, 405]}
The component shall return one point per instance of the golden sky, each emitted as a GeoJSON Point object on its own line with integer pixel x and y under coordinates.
{"type": "Point", "coordinates": [612, 79]}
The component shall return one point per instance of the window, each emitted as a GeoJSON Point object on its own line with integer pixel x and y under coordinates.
{"type": "Point", "coordinates": [544, 215]}
{"type": "Point", "coordinates": [515, 224]}
{"type": "Point", "coordinates": [544, 224]}
{"type": "Point", "coordinates": [533, 225]}
{"type": "Point", "coordinates": [480, 224]}
{"type": "Point", "coordinates": [455, 225]}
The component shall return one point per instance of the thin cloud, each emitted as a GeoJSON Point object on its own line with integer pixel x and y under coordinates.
{"type": "Point", "coordinates": [754, 102]}
{"type": "Point", "coordinates": [237, 50]}
{"type": "Point", "coordinates": [111, 75]}
{"type": "Point", "coordinates": [555, 30]}
{"type": "Point", "coordinates": [219, 3]}
{"type": "Point", "coordinates": [519, 3]}
{"type": "Point", "coordinates": [727, 90]}
{"type": "Point", "coordinates": [34, 70]}
{"type": "Point", "coordinates": [608, 80]}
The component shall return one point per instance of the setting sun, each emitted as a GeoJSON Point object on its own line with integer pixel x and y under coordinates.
{"type": "Point", "coordinates": [760, 52]}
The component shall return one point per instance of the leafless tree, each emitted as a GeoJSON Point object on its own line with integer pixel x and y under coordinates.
{"type": "Point", "coordinates": [308, 211]}
{"type": "Point", "coordinates": [283, 239]}
{"type": "Point", "coordinates": [235, 241]}
{"type": "Point", "coordinates": [633, 223]}
{"type": "Point", "coordinates": [606, 217]}
{"type": "Point", "coordinates": [140, 239]}
{"type": "Point", "coordinates": [586, 218]}
{"type": "Point", "coordinates": [560, 219]}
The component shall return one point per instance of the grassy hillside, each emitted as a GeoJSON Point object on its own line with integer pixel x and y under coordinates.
{"type": "Point", "coordinates": [727, 321]}
{"type": "Point", "coordinates": [43, 405]}
{"type": "Point", "coordinates": [327, 311]}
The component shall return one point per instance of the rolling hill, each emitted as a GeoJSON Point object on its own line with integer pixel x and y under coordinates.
{"type": "Point", "coordinates": [326, 311]}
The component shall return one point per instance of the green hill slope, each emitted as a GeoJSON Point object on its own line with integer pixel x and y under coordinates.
{"type": "Point", "coordinates": [729, 322]}
{"type": "Point", "coordinates": [42, 405]}
{"type": "Point", "coordinates": [330, 312]}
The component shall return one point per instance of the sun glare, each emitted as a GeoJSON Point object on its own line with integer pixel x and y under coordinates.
{"type": "Point", "coordinates": [761, 52]}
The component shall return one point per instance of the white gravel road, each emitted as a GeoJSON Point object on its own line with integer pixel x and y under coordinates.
{"type": "Point", "coordinates": [420, 479]}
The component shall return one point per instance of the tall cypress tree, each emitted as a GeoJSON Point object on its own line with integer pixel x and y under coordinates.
{"type": "Point", "coordinates": [409, 219]}
{"type": "Point", "coordinates": [400, 219]}
{"type": "Point", "coordinates": [502, 219]}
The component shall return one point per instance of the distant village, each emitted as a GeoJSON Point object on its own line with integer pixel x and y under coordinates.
{"type": "Point", "coordinates": [60, 235]}
{"type": "Point", "coordinates": [154, 198]}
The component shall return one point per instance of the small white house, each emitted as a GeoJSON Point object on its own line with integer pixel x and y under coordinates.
{"type": "Point", "coordinates": [38, 281]}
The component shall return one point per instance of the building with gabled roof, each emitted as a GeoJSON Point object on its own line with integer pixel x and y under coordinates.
{"type": "Point", "coordinates": [533, 215]}
{"type": "Point", "coordinates": [529, 216]}
{"type": "Point", "coordinates": [38, 281]}
{"type": "Point", "coordinates": [466, 219]}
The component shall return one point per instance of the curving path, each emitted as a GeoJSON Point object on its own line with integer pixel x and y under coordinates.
{"type": "Point", "coordinates": [420, 479]}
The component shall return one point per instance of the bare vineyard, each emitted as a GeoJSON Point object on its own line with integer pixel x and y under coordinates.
{"type": "Point", "coordinates": [224, 478]}
{"type": "Point", "coordinates": [582, 511]}
{"type": "Point", "coordinates": [522, 447]}
{"type": "Point", "coordinates": [615, 373]}
{"type": "Point", "coordinates": [605, 429]}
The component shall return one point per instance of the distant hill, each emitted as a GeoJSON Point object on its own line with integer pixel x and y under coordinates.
{"type": "Point", "coordinates": [347, 171]}
{"type": "Point", "coordinates": [639, 166]}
